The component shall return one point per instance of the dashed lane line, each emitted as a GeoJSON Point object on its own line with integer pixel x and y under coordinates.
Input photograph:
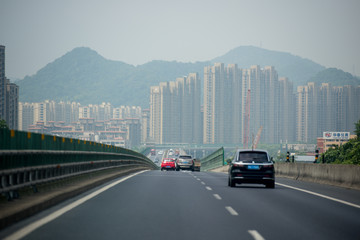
{"type": "Point", "coordinates": [208, 188]}
{"type": "Point", "coordinates": [255, 235]}
{"type": "Point", "coordinates": [231, 211]}
{"type": "Point", "coordinates": [217, 196]}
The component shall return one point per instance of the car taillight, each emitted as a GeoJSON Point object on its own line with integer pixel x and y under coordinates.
{"type": "Point", "coordinates": [237, 165]}
{"type": "Point", "coordinates": [268, 166]}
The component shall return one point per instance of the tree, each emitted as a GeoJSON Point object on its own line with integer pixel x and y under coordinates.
{"type": "Point", "coordinates": [348, 153]}
{"type": "Point", "coordinates": [3, 124]}
{"type": "Point", "coordinates": [357, 129]}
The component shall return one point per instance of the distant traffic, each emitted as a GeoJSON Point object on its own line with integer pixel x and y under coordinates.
{"type": "Point", "coordinates": [174, 160]}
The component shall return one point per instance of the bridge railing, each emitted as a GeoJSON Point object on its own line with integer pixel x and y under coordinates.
{"type": "Point", "coordinates": [27, 159]}
{"type": "Point", "coordinates": [214, 160]}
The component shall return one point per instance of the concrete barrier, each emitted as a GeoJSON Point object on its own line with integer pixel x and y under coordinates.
{"type": "Point", "coordinates": [220, 169]}
{"type": "Point", "coordinates": [333, 174]}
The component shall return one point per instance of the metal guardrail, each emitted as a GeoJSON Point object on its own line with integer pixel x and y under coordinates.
{"type": "Point", "coordinates": [27, 159]}
{"type": "Point", "coordinates": [214, 160]}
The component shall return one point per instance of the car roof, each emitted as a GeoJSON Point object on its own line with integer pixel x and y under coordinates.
{"type": "Point", "coordinates": [251, 150]}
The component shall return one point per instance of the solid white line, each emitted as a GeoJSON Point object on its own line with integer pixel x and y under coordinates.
{"type": "Point", "coordinates": [231, 211]}
{"type": "Point", "coordinates": [208, 188]}
{"type": "Point", "coordinates": [33, 226]}
{"type": "Point", "coordinates": [217, 196]}
{"type": "Point", "coordinates": [320, 195]}
{"type": "Point", "coordinates": [256, 235]}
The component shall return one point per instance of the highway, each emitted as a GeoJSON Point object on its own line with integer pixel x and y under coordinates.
{"type": "Point", "coordinates": [198, 205]}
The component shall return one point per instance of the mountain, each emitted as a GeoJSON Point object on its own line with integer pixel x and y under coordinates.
{"type": "Point", "coordinates": [336, 77]}
{"type": "Point", "coordinates": [82, 75]}
{"type": "Point", "coordinates": [297, 69]}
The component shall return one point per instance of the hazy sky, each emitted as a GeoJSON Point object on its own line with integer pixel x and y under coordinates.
{"type": "Point", "coordinates": [36, 32]}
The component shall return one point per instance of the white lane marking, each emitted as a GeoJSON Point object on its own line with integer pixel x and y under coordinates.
{"type": "Point", "coordinates": [255, 235]}
{"type": "Point", "coordinates": [202, 183]}
{"type": "Point", "coordinates": [33, 226]}
{"type": "Point", "coordinates": [208, 188]}
{"type": "Point", "coordinates": [231, 211]}
{"type": "Point", "coordinates": [217, 196]}
{"type": "Point", "coordinates": [320, 195]}
{"type": "Point", "coordinates": [198, 179]}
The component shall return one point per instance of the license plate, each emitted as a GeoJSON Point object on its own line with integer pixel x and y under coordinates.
{"type": "Point", "coordinates": [168, 166]}
{"type": "Point", "coordinates": [254, 167]}
{"type": "Point", "coordinates": [185, 162]}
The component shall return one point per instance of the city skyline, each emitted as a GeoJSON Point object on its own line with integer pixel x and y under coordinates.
{"type": "Point", "coordinates": [239, 103]}
{"type": "Point", "coordinates": [236, 102]}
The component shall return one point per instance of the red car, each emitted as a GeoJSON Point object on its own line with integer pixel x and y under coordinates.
{"type": "Point", "coordinates": [168, 164]}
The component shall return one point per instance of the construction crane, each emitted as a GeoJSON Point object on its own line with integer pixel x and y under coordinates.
{"type": "Point", "coordinates": [257, 138]}
{"type": "Point", "coordinates": [246, 129]}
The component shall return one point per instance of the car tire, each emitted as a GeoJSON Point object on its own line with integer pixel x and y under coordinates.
{"type": "Point", "coordinates": [231, 182]}
{"type": "Point", "coordinates": [270, 185]}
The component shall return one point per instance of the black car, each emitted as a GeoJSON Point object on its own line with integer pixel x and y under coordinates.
{"type": "Point", "coordinates": [251, 166]}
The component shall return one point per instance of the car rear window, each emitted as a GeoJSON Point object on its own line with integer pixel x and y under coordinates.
{"type": "Point", "coordinates": [169, 160]}
{"type": "Point", "coordinates": [185, 157]}
{"type": "Point", "coordinates": [252, 156]}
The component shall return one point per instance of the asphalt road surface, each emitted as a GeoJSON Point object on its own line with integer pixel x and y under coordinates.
{"type": "Point", "coordinates": [198, 205]}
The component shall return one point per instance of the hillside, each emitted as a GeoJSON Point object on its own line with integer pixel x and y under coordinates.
{"type": "Point", "coordinates": [84, 76]}
{"type": "Point", "coordinates": [336, 77]}
{"type": "Point", "coordinates": [80, 75]}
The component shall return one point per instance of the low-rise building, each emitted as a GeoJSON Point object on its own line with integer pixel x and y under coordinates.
{"type": "Point", "coordinates": [332, 139]}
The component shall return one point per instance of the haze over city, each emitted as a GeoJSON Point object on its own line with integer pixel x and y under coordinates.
{"type": "Point", "coordinates": [180, 119]}
{"type": "Point", "coordinates": [35, 33]}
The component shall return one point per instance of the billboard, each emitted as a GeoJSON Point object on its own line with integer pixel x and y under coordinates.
{"type": "Point", "coordinates": [337, 135]}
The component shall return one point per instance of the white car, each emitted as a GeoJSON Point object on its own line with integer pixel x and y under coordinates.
{"type": "Point", "coordinates": [185, 162]}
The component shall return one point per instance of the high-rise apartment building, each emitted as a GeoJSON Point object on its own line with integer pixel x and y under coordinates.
{"type": "Point", "coordinates": [189, 92]}
{"type": "Point", "coordinates": [12, 105]}
{"type": "Point", "coordinates": [175, 111]}
{"type": "Point", "coordinates": [253, 83]}
{"type": "Point", "coordinates": [326, 111]}
{"type": "Point", "coordinates": [155, 114]}
{"type": "Point", "coordinates": [307, 112]}
{"type": "Point", "coordinates": [2, 84]}
{"type": "Point", "coordinates": [226, 90]}
{"type": "Point", "coordinates": [286, 116]}
{"type": "Point", "coordinates": [215, 87]}
{"type": "Point", "coordinates": [133, 131]}
{"type": "Point", "coordinates": [325, 108]}
{"type": "Point", "coordinates": [269, 100]}
{"type": "Point", "coordinates": [26, 115]}
{"type": "Point", "coordinates": [234, 75]}
{"type": "Point", "coordinates": [9, 96]}
{"type": "Point", "coordinates": [145, 125]}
